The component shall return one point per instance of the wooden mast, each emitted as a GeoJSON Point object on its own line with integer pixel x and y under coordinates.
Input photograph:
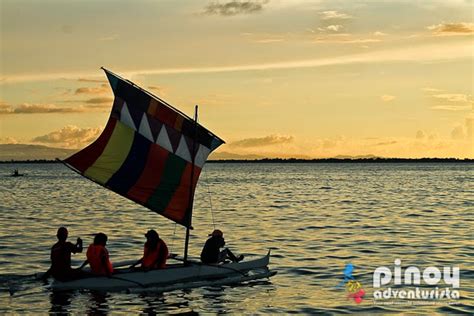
{"type": "Point", "coordinates": [191, 195]}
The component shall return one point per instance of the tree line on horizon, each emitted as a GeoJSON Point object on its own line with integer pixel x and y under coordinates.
{"type": "Point", "coordinates": [293, 160]}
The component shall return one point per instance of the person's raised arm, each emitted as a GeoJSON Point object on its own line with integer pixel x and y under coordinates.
{"type": "Point", "coordinates": [79, 245]}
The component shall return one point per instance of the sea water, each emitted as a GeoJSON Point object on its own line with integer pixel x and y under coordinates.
{"type": "Point", "coordinates": [316, 218]}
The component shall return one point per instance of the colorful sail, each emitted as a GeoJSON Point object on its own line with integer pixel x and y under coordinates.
{"type": "Point", "coordinates": [146, 152]}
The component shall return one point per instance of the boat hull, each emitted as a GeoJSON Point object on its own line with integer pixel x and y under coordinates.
{"type": "Point", "coordinates": [172, 275]}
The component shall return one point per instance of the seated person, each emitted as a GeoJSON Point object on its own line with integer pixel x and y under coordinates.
{"type": "Point", "coordinates": [98, 256]}
{"type": "Point", "coordinates": [211, 253]}
{"type": "Point", "coordinates": [61, 257]}
{"type": "Point", "coordinates": [155, 252]}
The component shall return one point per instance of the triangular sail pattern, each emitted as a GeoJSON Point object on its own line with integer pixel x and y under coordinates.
{"type": "Point", "coordinates": [145, 152]}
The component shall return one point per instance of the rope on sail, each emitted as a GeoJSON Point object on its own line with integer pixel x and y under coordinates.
{"type": "Point", "coordinates": [172, 238]}
{"type": "Point", "coordinates": [210, 200]}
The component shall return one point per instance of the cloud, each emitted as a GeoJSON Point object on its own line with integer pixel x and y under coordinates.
{"type": "Point", "coordinates": [449, 101]}
{"type": "Point", "coordinates": [269, 40]}
{"type": "Point", "coordinates": [420, 53]}
{"type": "Point", "coordinates": [387, 98]}
{"type": "Point", "coordinates": [380, 33]}
{"type": "Point", "coordinates": [462, 28]}
{"type": "Point", "coordinates": [99, 100]}
{"type": "Point", "coordinates": [109, 38]}
{"type": "Point", "coordinates": [420, 135]}
{"type": "Point", "coordinates": [344, 38]}
{"type": "Point", "coordinates": [334, 15]}
{"type": "Point", "coordinates": [234, 7]}
{"type": "Point", "coordinates": [49, 108]}
{"type": "Point", "coordinates": [453, 108]}
{"type": "Point", "coordinates": [69, 136]}
{"type": "Point", "coordinates": [38, 108]}
{"type": "Point", "coordinates": [387, 143]}
{"type": "Point", "coordinates": [334, 28]}
{"type": "Point", "coordinates": [452, 97]}
{"type": "Point", "coordinates": [8, 140]}
{"type": "Point", "coordinates": [94, 90]}
{"type": "Point", "coordinates": [91, 80]}
{"type": "Point", "coordinates": [265, 38]}
{"type": "Point", "coordinates": [5, 108]}
{"type": "Point", "coordinates": [431, 90]}
{"type": "Point", "coordinates": [262, 141]}
{"type": "Point", "coordinates": [452, 102]}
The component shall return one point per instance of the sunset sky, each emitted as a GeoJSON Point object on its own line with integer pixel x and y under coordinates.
{"type": "Point", "coordinates": [275, 78]}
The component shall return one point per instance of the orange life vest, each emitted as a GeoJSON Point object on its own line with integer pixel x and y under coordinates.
{"type": "Point", "coordinates": [96, 255]}
{"type": "Point", "coordinates": [155, 258]}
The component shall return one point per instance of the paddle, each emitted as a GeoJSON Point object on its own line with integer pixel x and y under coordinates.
{"type": "Point", "coordinates": [22, 283]}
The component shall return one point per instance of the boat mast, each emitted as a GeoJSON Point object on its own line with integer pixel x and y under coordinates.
{"type": "Point", "coordinates": [191, 195]}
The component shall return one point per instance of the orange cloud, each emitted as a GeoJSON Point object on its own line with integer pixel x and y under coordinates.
{"type": "Point", "coordinates": [421, 53]}
{"type": "Point", "coordinates": [343, 38]}
{"type": "Point", "coordinates": [94, 90]}
{"type": "Point", "coordinates": [8, 140]}
{"type": "Point", "coordinates": [453, 108]}
{"type": "Point", "coordinates": [50, 108]}
{"type": "Point", "coordinates": [387, 98]}
{"type": "Point", "coordinates": [420, 134]}
{"type": "Point", "coordinates": [462, 28]}
{"type": "Point", "coordinates": [5, 108]}
{"type": "Point", "coordinates": [69, 136]}
{"type": "Point", "coordinates": [262, 141]}
{"type": "Point", "coordinates": [445, 101]}
{"type": "Point", "coordinates": [99, 100]}
{"type": "Point", "coordinates": [37, 108]}
{"type": "Point", "coordinates": [91, 80]}
{"type": "Point", "coordinates": [452, 97]}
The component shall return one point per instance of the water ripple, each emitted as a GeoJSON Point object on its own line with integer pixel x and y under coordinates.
{"type": "Point", "coordinates": [316, 218]}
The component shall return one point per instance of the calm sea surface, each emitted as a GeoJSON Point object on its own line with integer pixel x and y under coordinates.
{"type": "Point", "coordinates": [316, 218]}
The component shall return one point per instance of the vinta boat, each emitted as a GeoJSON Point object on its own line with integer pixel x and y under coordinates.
{"type": "Point", "coordinates": [151, 153]}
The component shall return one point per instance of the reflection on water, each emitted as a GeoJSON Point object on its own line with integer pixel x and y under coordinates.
{"type": "Point", "coordinates": [151, 303]}
{"type": "Point", "coordinates": [60, 302]}
{"type": "Point", "coordinates": [97, 303]}
{"type": "Point", "coordinates": [316, 218]}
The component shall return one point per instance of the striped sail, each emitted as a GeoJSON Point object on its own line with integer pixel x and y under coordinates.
{"type": "Point", "coordinates": [146, 152]}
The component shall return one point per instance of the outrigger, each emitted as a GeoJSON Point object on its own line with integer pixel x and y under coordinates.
{"type": "Point", "coordinates": [151, 153]}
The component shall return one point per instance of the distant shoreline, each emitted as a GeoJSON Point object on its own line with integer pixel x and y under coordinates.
{"type": "Point", "coordinates": [295, 160]}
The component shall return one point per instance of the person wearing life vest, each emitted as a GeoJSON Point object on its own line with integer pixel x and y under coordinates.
{"type": "Point", "coordinates": [155, 252]}
{"type": "Point", "coordinates": [61, 257]}
{"type": "Point", "coordinates": [98, 256]}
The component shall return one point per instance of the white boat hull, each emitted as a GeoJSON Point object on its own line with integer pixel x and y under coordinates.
{"type": "Point", "coordinates": [171, 276]}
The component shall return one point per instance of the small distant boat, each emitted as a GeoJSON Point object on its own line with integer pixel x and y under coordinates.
{"type": "Point", "coordinates": [16, 173]}
{"type": "Point", "coordinates": [151, 153]}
